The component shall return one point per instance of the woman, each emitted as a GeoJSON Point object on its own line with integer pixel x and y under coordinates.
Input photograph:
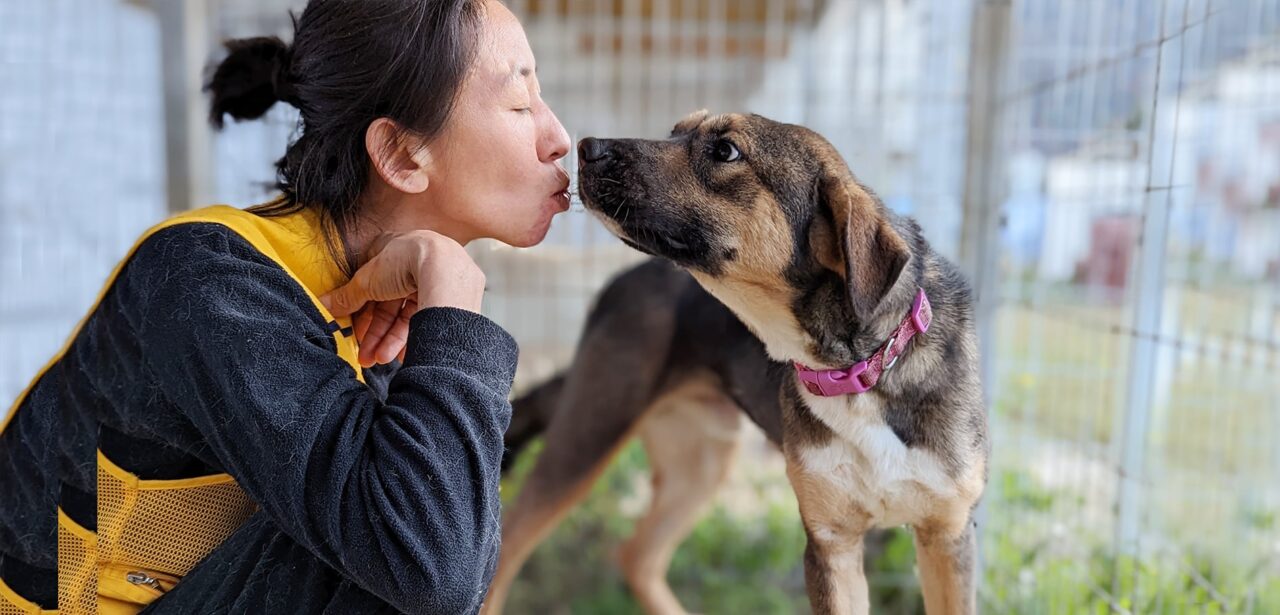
{"type": "Point", "coordinates": [229, 430]}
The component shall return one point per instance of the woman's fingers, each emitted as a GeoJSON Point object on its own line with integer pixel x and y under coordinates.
{"type": "Point", "coordinates": [397, 337]}
{"type": "Point", "coordinates": [361, 322]}
{"type": "Point", "coordinates": [382, 317]}
{"type": "Point", "coordinates": [384, 293]}
{"type": "Point", "coordinates": [347, 299]}
{"type": "Point", "coordinates": [382, 331]}
{"type": "Point", "coordinates": [383, 278]}
{"type": "Point", "coordinates": [406, 313]}
{"type": "Point", "coordinates": [382, 296]}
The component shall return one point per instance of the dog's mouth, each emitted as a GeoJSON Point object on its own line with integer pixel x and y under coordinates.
{"type": "Point", "coordinates": [644, 226]}
{"type": "Point", "coordinates": [656, 243]}
{"type": "Point", "coordinates": [688, 243]}
{"type": "Point", "coordinates": [628, 222]}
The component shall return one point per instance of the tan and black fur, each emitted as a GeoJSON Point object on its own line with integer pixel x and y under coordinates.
{"type": "Point", "coordinates": [660, 360]}
{"type": "Point", "coordinates": [770, 221]}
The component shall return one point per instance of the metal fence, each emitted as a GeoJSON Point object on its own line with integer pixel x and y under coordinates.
{"type": "Point", "coordinates": [1136, 308]}
{"type": "Point", "coordinates": [1107, 170]}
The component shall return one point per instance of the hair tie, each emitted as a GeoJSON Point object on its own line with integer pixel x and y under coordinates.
{"type": "Point", "coordinates": [281, 81]}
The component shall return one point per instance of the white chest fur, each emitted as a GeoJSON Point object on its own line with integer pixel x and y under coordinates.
{"type": "Point", "coordinates": [867, 463]}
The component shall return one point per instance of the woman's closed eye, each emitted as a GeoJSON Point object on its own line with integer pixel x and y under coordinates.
{"type": "Point", "coordinates": [520, 104]}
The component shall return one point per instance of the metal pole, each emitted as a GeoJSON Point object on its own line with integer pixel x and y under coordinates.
{"type": "Point", "coordinates": [985, 187]}
{"type": "Point", "coordinates": [184, 46]}
{"type": "Point", "coordinates": [984, 184]}
{"type": "Point", "coordinates": [1148, 301]}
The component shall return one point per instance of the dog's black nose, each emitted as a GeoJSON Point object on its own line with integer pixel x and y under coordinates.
{"type": "Point", "coordinates": [592, 150]}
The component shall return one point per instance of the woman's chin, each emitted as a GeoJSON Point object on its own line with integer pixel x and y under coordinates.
{"type": "Point", "coordinates": [537, 235]}
{"type": "Point", "coordinates": [531, 233]}
{"type": "Point", "coordinates": [539, 230]}
{"type": "Point", "coordinates": [528, 237]}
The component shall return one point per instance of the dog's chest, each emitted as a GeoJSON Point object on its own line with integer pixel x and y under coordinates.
{"type": "Point", "coordinates": [867, 463]}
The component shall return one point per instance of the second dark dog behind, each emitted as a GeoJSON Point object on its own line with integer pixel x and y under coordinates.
{"type": "Point", "coordinates": [662, 360]}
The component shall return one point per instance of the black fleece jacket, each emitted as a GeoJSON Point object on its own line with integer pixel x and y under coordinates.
{"type": "Point", "coordinates": [205, 356]}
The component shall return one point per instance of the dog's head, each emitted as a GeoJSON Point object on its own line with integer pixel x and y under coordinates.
{"type": "Point", "coordinates": [767, 217]}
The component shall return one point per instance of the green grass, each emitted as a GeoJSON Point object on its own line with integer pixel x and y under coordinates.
{"type": "Point", "coordinates": [731, 564]}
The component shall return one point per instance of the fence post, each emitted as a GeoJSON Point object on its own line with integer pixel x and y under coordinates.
{"type": "Point", "coordinates": [1148, 302]}
{"type": "Point", "coordinates": [184, 47]}
{"type": "Point", "coordinates": [985, 185]}
{"type": "Point", "coordinates": [1148, 296]}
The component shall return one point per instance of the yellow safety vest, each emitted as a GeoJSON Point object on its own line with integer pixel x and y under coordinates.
{"type": "Point", "coordinates": [153, 532]}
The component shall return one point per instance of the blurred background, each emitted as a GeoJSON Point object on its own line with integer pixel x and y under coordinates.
{"type": "Point", "coordinates": [1106, 171]}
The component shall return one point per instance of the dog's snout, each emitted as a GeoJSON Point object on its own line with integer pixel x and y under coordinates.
{"type": "Point", "coordinates": [594, 150]}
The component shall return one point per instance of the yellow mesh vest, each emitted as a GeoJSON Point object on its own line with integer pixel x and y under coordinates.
{"type": "Point", "coordinates": [153, 532]}
{"type": "Point", "coordinates": [13, 604]}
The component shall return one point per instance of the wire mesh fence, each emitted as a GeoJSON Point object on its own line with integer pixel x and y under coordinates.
{"type": "Point", "coordinates": [1132, 186]}
{"type": "Point", "coordinates": [1137, 313]}
{"type": "Point", "coordinates": [1138, 308]}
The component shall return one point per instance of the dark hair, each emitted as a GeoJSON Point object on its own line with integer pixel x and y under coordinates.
{"type": "Point", "coordinates": [351, 62]}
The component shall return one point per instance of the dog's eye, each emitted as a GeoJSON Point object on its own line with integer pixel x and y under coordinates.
{"type": "Point", "coordinates": [725, 151]}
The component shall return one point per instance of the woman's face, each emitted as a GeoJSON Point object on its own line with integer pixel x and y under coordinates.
{"type": "Point", "coordinates": [496, 165]}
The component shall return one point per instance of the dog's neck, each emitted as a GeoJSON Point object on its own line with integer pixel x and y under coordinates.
{"type": "Point", "coordinates": [818, 329]}
{"type": "Point", "coordinates": [865, 374]}
{"type": "Point", "coordinates": [817, 326]}
{"type": "Point", "coordinates": [837, 335]}
{"type": "Point", "coordinates": [837, 339]}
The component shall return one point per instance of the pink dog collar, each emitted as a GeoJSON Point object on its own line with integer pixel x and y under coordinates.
{"type": "Point", "coordinates": [863, 376]}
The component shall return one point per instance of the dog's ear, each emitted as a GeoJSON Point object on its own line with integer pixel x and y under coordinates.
{"type": "Point", "coordinates": [689, 123]}
{"type": "Point", "coordinates": [852, 236]}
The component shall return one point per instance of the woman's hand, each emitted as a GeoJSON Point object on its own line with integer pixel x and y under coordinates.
{"type": "Point", "coordinates": [405, 272]}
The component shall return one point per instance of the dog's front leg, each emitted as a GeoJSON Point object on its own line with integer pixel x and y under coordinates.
{"type": "Point", "coordinates": [833, 571]}
{"type": "Point", "coordinates": [948, 560]}
{"type": "Point", "coordinates": [833, 574]}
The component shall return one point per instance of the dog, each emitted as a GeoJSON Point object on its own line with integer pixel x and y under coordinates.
{"type": "Point", "coordinates": [881, 421]}
{"type": "Point", "coordinates": [884, 422]}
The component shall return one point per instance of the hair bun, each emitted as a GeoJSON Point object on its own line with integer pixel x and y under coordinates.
{"type": "Point", "coordinates": [253, 76]}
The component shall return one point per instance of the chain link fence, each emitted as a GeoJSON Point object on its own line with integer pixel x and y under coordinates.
{"type": "Point", "coordinates": [1107, 170]}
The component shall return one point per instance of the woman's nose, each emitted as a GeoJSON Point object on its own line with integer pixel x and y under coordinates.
{"type": "Point", "coordinates": [556, 141]}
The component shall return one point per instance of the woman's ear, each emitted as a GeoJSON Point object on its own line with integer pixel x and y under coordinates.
{"type": "Point", "coordinates": [400, 158]}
